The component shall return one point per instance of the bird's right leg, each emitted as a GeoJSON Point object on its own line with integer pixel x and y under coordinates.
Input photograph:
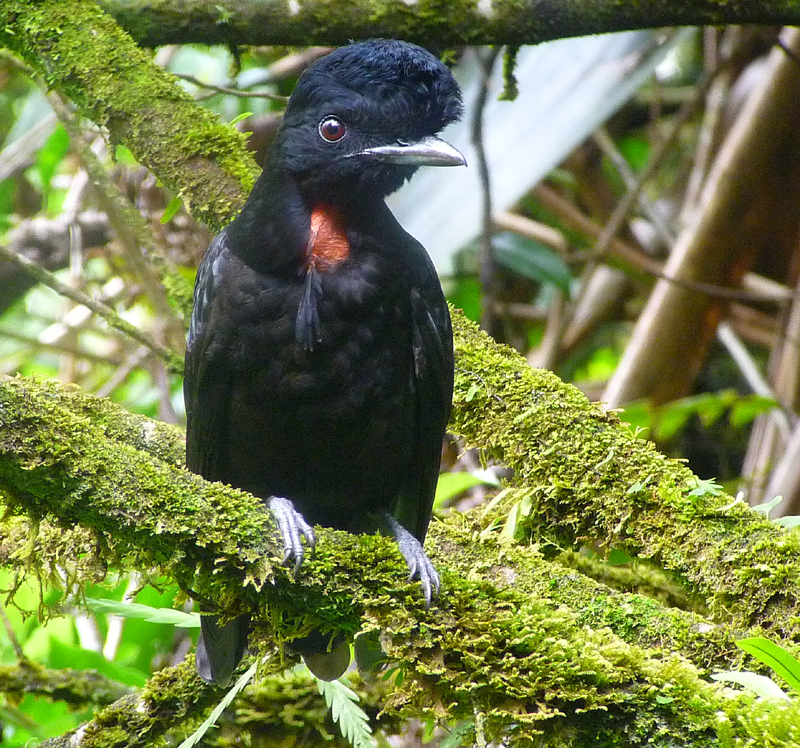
{"type": "Point", "coordinates": [293, 529]}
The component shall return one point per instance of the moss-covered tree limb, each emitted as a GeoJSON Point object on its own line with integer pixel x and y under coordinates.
{"type": "Point", "coordinates": [76, 687]}
{"type": "Point", "coordinates": [59, 463]}
{"type": "Point", "coordinates": [514, 637]}
{"type": "Point", "coordinates": [69, 458]}
{"type": "Point", "coordinates": [590, 480]}
{"type": "Point", "coordinates": [172, 698]}
{"type": "Point", "coordinates": [84, 54]}
{"type": "Point", "coordinates": [280, 708]}
{"type": "Point", "coordinates": [452, 23]}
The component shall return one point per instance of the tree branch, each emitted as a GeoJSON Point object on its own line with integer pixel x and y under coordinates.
{"type": "Point", "coordinates": [75, 687]}
{"type": "Point", "coordinates": [238, 22]}
{"type": "Point", "coordinates": [526, 642]}
{"type": "Point", "coordinates": [70, 43]}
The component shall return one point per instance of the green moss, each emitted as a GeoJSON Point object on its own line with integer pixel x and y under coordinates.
{"type": "Point", "coordinates": [71, 686]}
{"type": "Point", "coordinates": [527, 644]}
{"type": "Point", "coordinates": [80, 51]}
{"type": "Point", "coordinates": [591, 481]}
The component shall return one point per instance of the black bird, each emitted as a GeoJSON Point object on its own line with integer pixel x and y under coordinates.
{"type": "Point", "coordinates": [319, 363]}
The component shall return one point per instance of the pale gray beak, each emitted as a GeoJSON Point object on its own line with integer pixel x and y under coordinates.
{"type": "Point", "coordinates": [430, 151]}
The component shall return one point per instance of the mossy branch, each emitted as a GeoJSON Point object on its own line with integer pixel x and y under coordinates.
{"type": "Point", "coordinates": [528, 644]}
{"type": "Point", "coordinates": [442, 24]}
{"type": "Point", "coordinates": [84, 54]}
{"type": "Point", "coordinates": [75, 687]}
{"type": "Point", "coordinates": [591, 481]}
{"type": "Point", "coordinates": [169, 700]}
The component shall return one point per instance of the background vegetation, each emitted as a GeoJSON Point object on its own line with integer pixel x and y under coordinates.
{"type": "Point", "coordinates": [652, 262]}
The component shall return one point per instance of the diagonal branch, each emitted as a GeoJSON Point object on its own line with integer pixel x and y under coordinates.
{"type": "Point", "coordinates": [74, 44]}
{"type": "Point", "coordinates": [525, 642]}
{"type": "Point", "coordinates": [171, 359]}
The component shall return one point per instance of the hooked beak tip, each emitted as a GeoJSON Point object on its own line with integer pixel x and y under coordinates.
{"type": "Point", "coordinates": [431, 151]}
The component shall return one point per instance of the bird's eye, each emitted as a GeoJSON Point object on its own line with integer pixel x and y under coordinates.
{"type": "Point", "coordinates": [332, 129]}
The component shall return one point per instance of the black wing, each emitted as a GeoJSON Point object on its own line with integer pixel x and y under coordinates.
{"type": "Point", "coordinates": [206, 388]}
{"type": "Point", "coordinates": [206, 384]}
{"type": "Point", "coordinates": [432, 340]}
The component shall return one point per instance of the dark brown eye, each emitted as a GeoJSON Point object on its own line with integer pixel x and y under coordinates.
{"type": "Point", "coordinates": [332, 129]}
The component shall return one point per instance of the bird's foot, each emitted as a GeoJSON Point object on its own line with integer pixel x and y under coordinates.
{"type": "Point", "coordinates": [293, 529]}
{"type": "Point", "coordinates": [419, 565]}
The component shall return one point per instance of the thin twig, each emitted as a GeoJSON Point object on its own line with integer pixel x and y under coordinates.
{"type": "Point", "coordinates": [535, 230]}
{"type": "Point", "coordinates": [657, 157]}
{"type": "Point", "coordinates": [12, 636]}
{"type": "Point", "coordinates": [134, 234]}
{"type": "Point", "coordinates": [123, 371]}
{"type": "Point", "coordinates": [60, 348]}
{"type": "Point", "coordinates": [173, 362]}
{"type": "Point", "coordinates": [708, 135]}
{"type": "Point", "coordinates": [487, 273]}
{"type": "Point", "coordinates": [233, 91]}
{"type": "Point", "coordinates": [760, 289]}
{"type": "Point", "coordinates": [609, 148]}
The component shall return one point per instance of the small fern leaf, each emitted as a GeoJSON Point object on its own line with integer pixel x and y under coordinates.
{"type": "Point", "coordinates": [198, 734]}
{"type": "Point", "coordinates": [347, 714]}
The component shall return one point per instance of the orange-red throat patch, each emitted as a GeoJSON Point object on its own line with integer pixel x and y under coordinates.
{"type": "Point", "coordinates": [327, 238]}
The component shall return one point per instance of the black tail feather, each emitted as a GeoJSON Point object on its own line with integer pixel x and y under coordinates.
{"type": "Point", "coordinates": [220, 647]}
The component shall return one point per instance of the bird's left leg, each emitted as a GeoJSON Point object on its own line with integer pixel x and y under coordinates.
{"type": "Point", "coordinates": [294, 528]}
{"type": "Point", "coordinates": [419, 565]}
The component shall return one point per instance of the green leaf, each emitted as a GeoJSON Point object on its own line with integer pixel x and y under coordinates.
{"type": "Point", "coordinates": [745, 409]}
{"type": "Point", "coordinates": [759, 684]}
{"type": "Point", "coordinates": [708, 487]}
{"type": "Point", "coordinates": [768, 506]}
{"type": "Point", "coordinates": [789, 522]}
{"type": "Point", "coordinates": [459, 734]}
{"type": "Point", "coordinates": [636, 150]}
{"type": "Point", "coordinates": [123, 156]}
{"type": "Point", "coordinates": [532, 259]}
{"type": "Point", "coordinates": [239, 118]}
{"type": "Point", "coordinates": [64, 656]}
{"type": "Point", "coordinates": [452, 484]}
{"type": "Point", "coordinates": [168, 616]}
{"type": "Point", "coordinates": [172, 208]}
{"type": "Point", "coordinates": [495, 501]}
{"type": "Point", "coordinates": [464, 292]}
{"type": "Point", "coordinates": [198, 734]}
{"type": "Point", "coordinates": [636, 487]}
{"type": "Point", "coordinates": [673, 417]}
{"type": "Point", "coordinates": [51, 155]}
{"type": "Point", "coordinates": [509, 531]}
{"type": "Point", "coordinates": [347, 714]}
{"type": "Point", "coordinates": [775, 657]}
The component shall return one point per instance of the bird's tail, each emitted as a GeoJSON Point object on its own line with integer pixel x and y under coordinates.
{"type": "Point", "coordinates": [220, 647]}
{"type": "Point", "coordinates": [325, 657]}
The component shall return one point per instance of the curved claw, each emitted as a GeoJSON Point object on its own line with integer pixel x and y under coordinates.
{"type": "Point", "coordinates": [293, 529]}
{"type": "Point", "coordinates": [419, 565]}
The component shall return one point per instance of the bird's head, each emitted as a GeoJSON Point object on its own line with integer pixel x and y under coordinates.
{"type": "Point", "coordinates": [365, 117]}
